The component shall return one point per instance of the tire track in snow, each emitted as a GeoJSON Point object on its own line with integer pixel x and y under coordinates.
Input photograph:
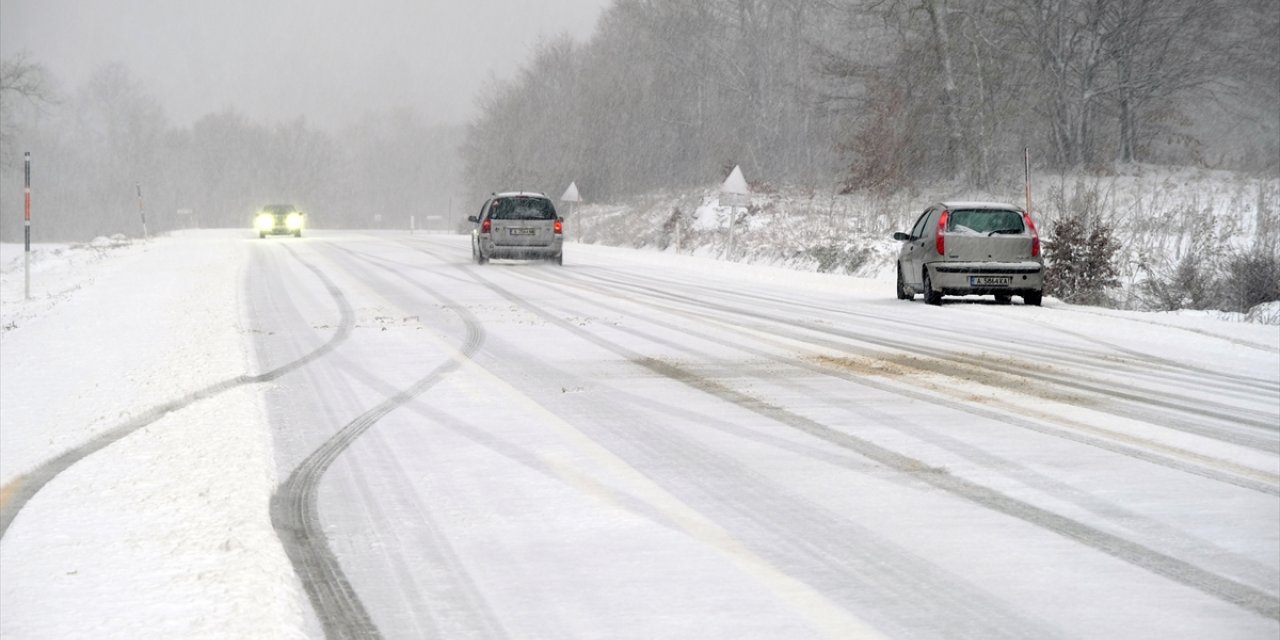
{"type": "Point", "coordinates": [1203, 466]}
{"type": "Point", "coordinates": [295, 505]}
{"type": "Point", "coordinates": [1177, 570]}
{"type": "Point", "coordinates": [15, 495]}
{"type": "Point", "coordinates": [1266, 443]}
{"type": "Point", "coordinates": [1234, 566]}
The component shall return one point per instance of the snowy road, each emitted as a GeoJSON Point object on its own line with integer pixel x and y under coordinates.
{"type": "Point", "coordinates": [636, 447]}
{"type": "Point", "coordinates": [368, 435]}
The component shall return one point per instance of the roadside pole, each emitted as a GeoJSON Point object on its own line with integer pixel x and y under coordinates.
{"type": "Point", "coordinates": [572, 196]}
{"type": "Point", "coordinates": [141, 211]}
{"type": "Point", "coordinates": [26, 225]}
{"type": "Point", "coordinates": [734, 193]}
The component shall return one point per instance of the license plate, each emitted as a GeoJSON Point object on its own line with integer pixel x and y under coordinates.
{"type": "Point", "coordinates": [522, 232]}
{"type": "Point", "coordinates": [990, 281]}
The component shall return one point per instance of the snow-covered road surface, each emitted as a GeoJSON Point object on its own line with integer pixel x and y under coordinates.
{"type": "Point", "coordinates": [633, 445]}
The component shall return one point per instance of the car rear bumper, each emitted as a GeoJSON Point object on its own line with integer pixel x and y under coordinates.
{"type": "Point", "coordinates": [521, 251]}
{"type": "Point", "coordinates": [987, 278]}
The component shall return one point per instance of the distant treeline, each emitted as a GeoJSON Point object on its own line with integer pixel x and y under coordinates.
{"type": "Point", "coordinates": [883, 93]}
{"type": "Point", "coordinates": [91, 146]}
{"type": "Point", "coordinates": [671, 94]}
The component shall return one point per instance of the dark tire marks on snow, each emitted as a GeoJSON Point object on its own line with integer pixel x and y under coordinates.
{"type": "Point", "coordinates": [295, 505]}
{"type": "Point", "coordinates": [1175, 569]}
{"type": "Point", "coordinates": [29, 484]}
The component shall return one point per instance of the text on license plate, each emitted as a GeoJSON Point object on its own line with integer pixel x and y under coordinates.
{"type": "Point", "coordinates": [990, 281]}
{"type": "Point", "coordinates": [521, 232]}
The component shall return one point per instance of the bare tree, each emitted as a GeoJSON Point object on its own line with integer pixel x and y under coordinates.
{"type": "Point", "coordinates": [20, 80]}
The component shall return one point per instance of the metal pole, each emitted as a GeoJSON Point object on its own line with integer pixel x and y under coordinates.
{"type": "Point", "coordinates": [141, 211]}
{"type": "Point", "coordinates": [26, 225]}
{"type": "Point", "coordinates": [733, 219]}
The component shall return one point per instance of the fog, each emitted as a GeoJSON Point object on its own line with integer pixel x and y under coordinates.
{"type": "Point", "coordinates": [388, 114]}
{"type": "Point", "coordinates": [273, 61]}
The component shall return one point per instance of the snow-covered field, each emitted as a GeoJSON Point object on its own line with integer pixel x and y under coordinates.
{"type": "Point", "coordinates": [149, 462]}
{"type": "Point", "coordinates": [159, 530]}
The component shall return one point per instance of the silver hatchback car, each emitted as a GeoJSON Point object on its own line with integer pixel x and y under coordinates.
{"type": "Point", "coordinates": [971, 248]}
{"type": "Point", "coordinates": [518, 225]}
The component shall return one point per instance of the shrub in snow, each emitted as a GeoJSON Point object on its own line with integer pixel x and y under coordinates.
{"type": "Point", "coordinates": [1080, 260]}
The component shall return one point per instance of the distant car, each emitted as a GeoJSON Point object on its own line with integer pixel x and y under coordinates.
{"type": "Point", "coordinates": [517, 225]}
{"type": "Point", "coordinates": [971, 248]}
{"type": "Point", "coordinates": [278, 220]}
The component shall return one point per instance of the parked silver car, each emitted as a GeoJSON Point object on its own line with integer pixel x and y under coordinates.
{"type": "Point", "coordinates": [518, 225]}
{"type": "Point", "coordinates": [971, 248]}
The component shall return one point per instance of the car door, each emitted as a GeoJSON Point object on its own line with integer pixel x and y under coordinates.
{"type": "Point", "coordinates": [913, 251]}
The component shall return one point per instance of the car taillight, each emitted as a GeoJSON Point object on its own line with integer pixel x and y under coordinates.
{"type": "Point", "coordinates": [558, 226]}
{"type": "Point", "coordinates": [485, 226]}
{"type": "Point", "coordinates": [1035, 236]}
{"type": "Point", "coordinates": [940, 243]}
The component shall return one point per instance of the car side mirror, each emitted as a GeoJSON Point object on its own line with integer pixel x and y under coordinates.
{"type": "Point", "coordinates": [475, 219]}
{"type": "Point", "coordinates": [902, 237]}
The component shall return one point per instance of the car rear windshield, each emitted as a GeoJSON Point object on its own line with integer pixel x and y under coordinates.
{"type": "Point", "coordinates": [985, 221]}
{"type": "Point", "coordinates": [520, 208]}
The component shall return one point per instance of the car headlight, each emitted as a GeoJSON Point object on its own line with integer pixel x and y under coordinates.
{"type": "Point", "coordinates": [293, 221]}
{"type": "Point", "coordinates": [264, 221]}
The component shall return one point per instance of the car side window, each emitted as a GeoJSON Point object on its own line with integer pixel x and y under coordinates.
{"type": "Point", "coordinates": [484, 207]}
{"type": "Point", "coordinates": [918, 230]}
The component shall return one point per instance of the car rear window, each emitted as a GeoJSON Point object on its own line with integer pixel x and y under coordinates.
{"type": "Point", "coordinates": [519, 208]}
{"type": "Point", "coordinates": [985, 221]}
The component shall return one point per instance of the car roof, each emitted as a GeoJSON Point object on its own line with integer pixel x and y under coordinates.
{"type": "Point", "coordinates": [522, 194]}
{"type": "Point", "coordinates": [978, 204]}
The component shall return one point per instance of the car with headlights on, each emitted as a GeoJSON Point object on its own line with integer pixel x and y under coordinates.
{"type": "Point", "coordinates": [279, 220]}
{"type": "Point", "coordinates": [961, 248]}
{"type": "Point", "coordinates": [517, 225]}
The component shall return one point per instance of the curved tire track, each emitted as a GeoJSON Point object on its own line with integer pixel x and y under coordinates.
{"type": "Point", "coordinates": [25, 487]}
{"type": "Point", "coordinates": [295, 505]}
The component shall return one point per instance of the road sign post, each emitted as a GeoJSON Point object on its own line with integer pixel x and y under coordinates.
{"type": "Point", "coordinates": [26, 225]}
{"type": "Point", "coordinates": [734, 193]}
{"type": "Point", "coordinates": [571, 196]}
{"type": "Point", "coordinates": [142, 212]}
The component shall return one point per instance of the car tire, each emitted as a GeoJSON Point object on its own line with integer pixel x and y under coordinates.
{"type": "Point", "coordinates": [297, 234]}
{"type": "Point", "coordinates": [930, 296]}
{"type": "Point", "coordinates": [903, 292]}
{"type": "Point", "coordinates": [480, 258]}
{"type": "Point", "coordinates": [1032, 299]}
{"type": "Point", "coordinates": [1004, 298]}
{"type": "Point", "coordinates": [558, 260]}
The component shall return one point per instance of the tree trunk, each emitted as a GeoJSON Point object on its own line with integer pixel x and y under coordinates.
{"type": "Point", "coordinates": [938, 21]}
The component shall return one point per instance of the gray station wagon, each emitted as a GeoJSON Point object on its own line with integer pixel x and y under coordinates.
{"type": "Point", "coordinates": [518, 225]}
{"type": "Point", "coordinates": [971, 248]}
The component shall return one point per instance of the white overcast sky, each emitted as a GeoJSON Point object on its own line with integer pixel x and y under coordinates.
{"type": "Point", "coordinates": [274, 60]}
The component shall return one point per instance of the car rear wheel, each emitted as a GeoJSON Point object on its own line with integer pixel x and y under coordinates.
{"type": "Point", "coordinates": [930, 296]}
{"type": "Point", "coordinates": [903, 292]}
{"type": "Point", "coordinates": [1032, 299]}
